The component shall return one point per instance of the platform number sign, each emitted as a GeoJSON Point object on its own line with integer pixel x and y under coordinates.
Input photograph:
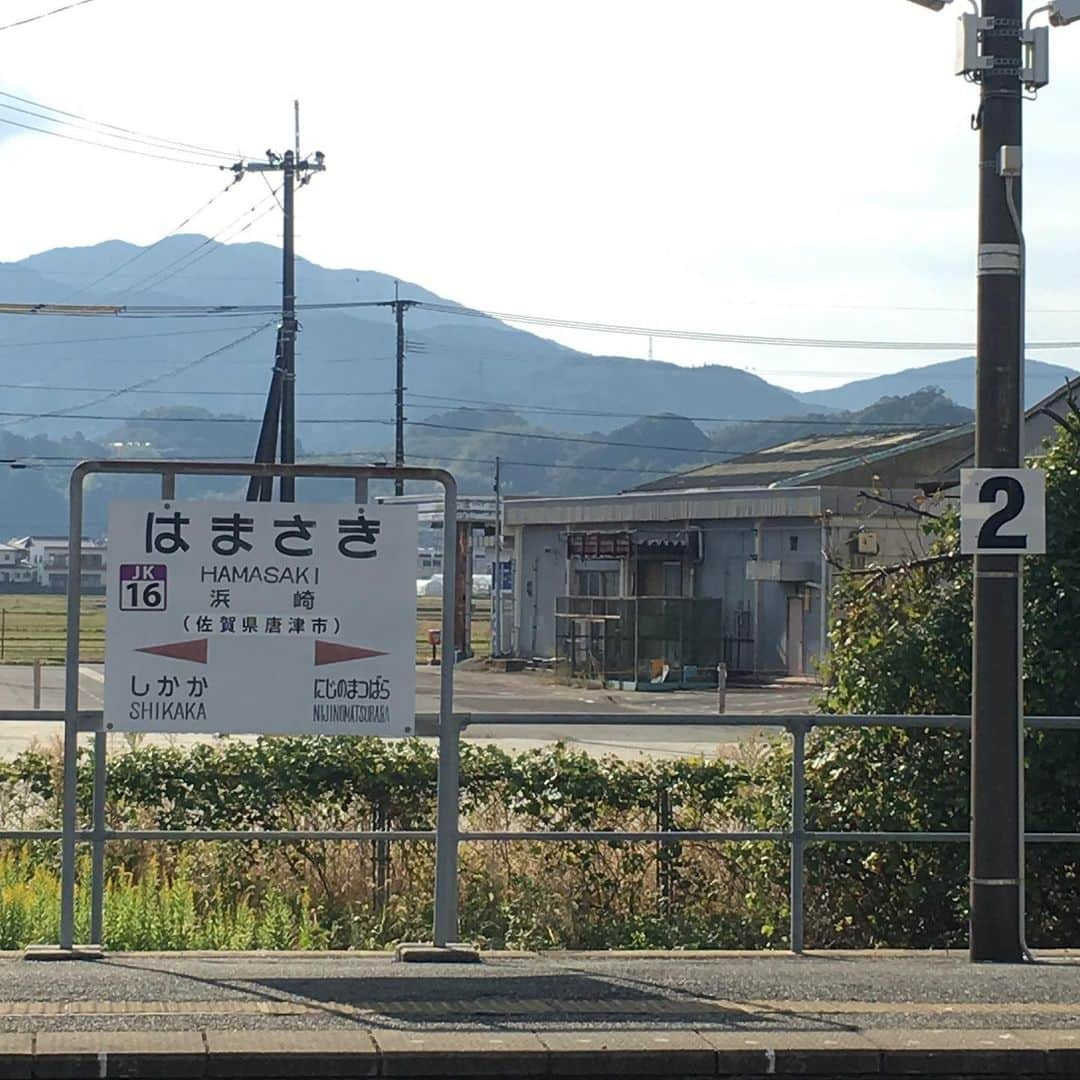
{"type": "Point", "coordinates": [143, 587]}
{"type": "Point", "coordinates": [1003, 512]}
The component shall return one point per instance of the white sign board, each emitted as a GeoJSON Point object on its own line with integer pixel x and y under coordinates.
{"type": "Point", "coordinates": [261, 617]}
{"type": "Point", "coordinates": [1003, 511]}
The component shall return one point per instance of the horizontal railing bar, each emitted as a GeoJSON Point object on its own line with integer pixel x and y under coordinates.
{"type": "Point", "coordinates": [248, 468]}
{"type": "Point", "coordinates": [845, 837]}
{"type": "Point", "coordinates": [48, 716]}
{"type": "Point", "coordinates": [623, 719]}
{"type": "Point", "coordinates": [1053, 723]}
{"type": "Point", "coordinates": [92, 720]}
{"type": "Point", "coordinates": [811, 837]}
{"type": "Point", "coordinates": [262, 834]}
{"type": "Point", "coordinates": [620, 837]}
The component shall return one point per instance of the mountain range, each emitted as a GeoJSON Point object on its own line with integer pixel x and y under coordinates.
{"type": "Point", "coordinates": [345, 357]}
{"type": "Point", "coordinates": [188, 384]}
{"type": "Point", "coordinates": [955, 377]}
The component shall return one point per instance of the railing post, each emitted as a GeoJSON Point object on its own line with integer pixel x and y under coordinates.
{"type": "Point", "coordinates": [69, 810]}
{"type": "Point", "coordinates": [97, 842]}
{"type": "Point", "coordinates": [448, 796]}
{"type": "Point", "coordinates": [447, 828]}
{"type": "Point", "coordinates": [380, 861]}
{"type": "Point", "coordinates": [798, 731]}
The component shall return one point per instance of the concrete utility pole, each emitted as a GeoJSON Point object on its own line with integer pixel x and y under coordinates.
{"type": "Point", "coordinates": [997, 852]}
{"type": "Point", "coordinates": [280, 412]}
{"type": "Point", "coordinates": [399, 394]}
{"type": "Point", "coordinates": [288, 326]}
{"type": "Point", "coordinates": [1003, 55]}
{"type": "Point", "coordinates": [496, 577]}
{"type": "Point", "coordinates": [400, 306]}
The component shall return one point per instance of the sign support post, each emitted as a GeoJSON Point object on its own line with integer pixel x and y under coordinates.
{"type": "Point", "coordinates": [445, 927]}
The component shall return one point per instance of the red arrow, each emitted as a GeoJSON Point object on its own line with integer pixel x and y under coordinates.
{"type": "Point", "coordinates": [195, 651]}
{"type": "Point", "coordinates": [329, 652]}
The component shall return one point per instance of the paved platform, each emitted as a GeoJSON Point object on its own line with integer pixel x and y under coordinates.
{"type": "Point", "coordinates": [603, 1014]}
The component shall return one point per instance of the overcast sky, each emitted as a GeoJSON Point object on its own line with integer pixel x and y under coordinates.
{"type": "Point", "coordinates": [776, 167]}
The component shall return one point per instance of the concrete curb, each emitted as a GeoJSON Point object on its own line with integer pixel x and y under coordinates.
{"type": "Point", "coordinates": [574, 955]}
{"type": "Point", "coordinates": [194, 1055]}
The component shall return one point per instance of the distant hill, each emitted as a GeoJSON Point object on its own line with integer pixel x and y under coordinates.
{"type": "Point", "coordinates": [536, 459]}
{"type": "Point", "coordinates": [345, 358]}
{"type": "Point", "coordinates": [930, 406]}
{"type": "Point", "coordinates": [955, 377]}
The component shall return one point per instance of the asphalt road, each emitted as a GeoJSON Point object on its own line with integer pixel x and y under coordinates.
{"type": "Point", "coordinates": [479, 692]}
{"type": "Point", "coordinates": [725, 993]}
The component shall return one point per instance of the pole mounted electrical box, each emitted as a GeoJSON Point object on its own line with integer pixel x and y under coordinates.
{"type": "Point", "coordinates": [969, 58]}
{"type": "Point", "coordinates": [1035, 73]}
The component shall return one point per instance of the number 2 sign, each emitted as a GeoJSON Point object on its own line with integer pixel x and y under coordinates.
{"type": "Point", "coordinates": [1003, 512]}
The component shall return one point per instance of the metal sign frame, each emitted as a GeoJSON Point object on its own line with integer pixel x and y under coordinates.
{"type": "Point", "coordinates": [447, 826]}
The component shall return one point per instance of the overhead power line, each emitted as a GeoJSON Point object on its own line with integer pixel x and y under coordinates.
{"type": "Point", "coordinates": [310, 421]}
{"type": "Point", "coordinates": [611, 328]}
{"type": "Point", "coordinates": [66, 461]}
{"type": "Point", "coordinates": [157, 243]}
{"type": "Point", "coordinates": [44, 14]}
{"type": "Point", "coordinates": [857, 425]}
{"type": "Point", "coordinates": [107, 146]}
{"type": "Point", "coordinates": [117, 337]}
{"type": "Point", "coordinates": [430, 401]}
{"type": "Point", "coordinates": [787, 421]}
{"type": "Point", "coordinates": [584, 440]}
{"type": "Point", "coordinates": [147, 137]}
{"type": "Point", "coordinates": [707, 335]}
{"type": "Point", "coordinates": [200, 393]}
{"type": "Point", "coordinates": [189, 258]}
{"type": "Point", "coordinates": [112, 394]}
{"type": "Point", "coordinates": [150, 142]}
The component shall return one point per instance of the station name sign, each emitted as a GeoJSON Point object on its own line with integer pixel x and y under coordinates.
{"type": "Point", "coordinates": [261, 618]}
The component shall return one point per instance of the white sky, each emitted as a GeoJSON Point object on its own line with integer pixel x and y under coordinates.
{"type": "Point", "coordinates": [771, 167]}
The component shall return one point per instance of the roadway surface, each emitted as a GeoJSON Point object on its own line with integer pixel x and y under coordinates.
{"type": "Point", "coordinates": [480, 691]}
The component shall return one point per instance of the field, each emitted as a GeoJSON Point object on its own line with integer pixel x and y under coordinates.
{"type": "Point", "coordinates": [33, 628]}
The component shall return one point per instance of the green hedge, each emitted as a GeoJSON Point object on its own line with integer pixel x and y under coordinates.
{"type": "Point", "coordinates": [530, 894]}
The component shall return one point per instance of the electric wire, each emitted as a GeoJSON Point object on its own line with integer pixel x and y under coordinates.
{"type": "Point", "coordinates": [201, 393]}
{"type": "Point", "coordinates": [151, 144]}
{"type": "Point", "coordinates": [116, 337]}
{"type": "Point", "coordinates": [180, 263]}
{"type": "Point", "coordinates": [157, 243]}
{"type": "Point", "coordinates": [714, 336]}
{"type": "Point", "coordinates": [147, 137]}
{"type": "Point", "coordinates": [550, 410]}
{"type": "Point", "coordinates": [44, 15]}
{"type": "Point", "coordinates": [65, 413]}
{"type": "Point", "coordinates": [878, 426]}
{"type": "Point", "coordinates": [58, 461]}
{"type": "Point", "coordinates": [107, 146]}
{"type": "Point", "coordinates": [590, 441]}
{"type": "Point", "coordinates": [689, 335]}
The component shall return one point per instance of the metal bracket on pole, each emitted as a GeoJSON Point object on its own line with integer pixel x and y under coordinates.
{"type": "Point", "coordinates": [999, 259]}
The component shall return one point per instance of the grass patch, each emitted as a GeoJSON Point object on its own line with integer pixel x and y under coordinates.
{"type": "Point", "coordinates": [34, 627]}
